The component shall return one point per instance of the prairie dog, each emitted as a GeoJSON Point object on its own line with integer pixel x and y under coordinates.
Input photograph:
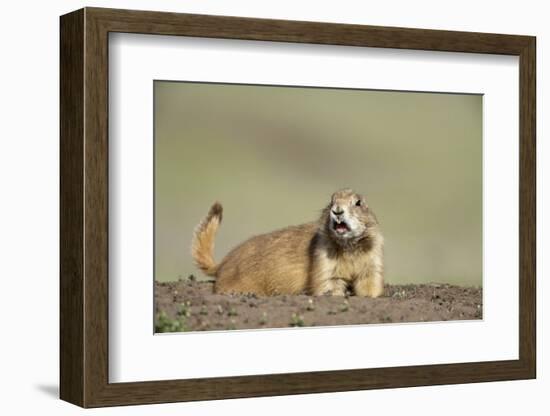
{"type": "Point", "coordinates": [341, 250]}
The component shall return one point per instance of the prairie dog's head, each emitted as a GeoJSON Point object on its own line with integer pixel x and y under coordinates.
{"type": "Point", "coordinates": [348, 216]}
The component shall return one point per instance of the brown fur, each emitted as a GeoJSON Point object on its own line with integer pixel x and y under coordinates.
{"type": "Point", "coordinates": [310, 258]}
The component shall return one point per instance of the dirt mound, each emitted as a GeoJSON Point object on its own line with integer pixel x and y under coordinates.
{"type": "Point", "coordinates": [189, 305]}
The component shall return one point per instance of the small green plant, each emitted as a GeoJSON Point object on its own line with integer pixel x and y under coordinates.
{"type": "Point", "coordinates": [297, 320]}
{"type": "Point", "coordinates": [345, 306]}
{"type": "Point", "coordinates": [232, 325]}
{"type": "Point", "coordinates": [204, 310]}
{"type": "Point", "coordinates": [400, 294]}
{"type": "Point", "coordinates": [263, 319]}
{"type": "Point", "coordinates": [164, 324]}
{"type": "Point", "coordinates": [185, 309]}
{"type": "Point", "coordinates": [478, 311]}
{"type": "Point", "coordinates": [232, 312]}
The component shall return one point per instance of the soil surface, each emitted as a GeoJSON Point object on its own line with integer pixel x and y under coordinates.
{"type": "Point", "coordinates": [189, 305]}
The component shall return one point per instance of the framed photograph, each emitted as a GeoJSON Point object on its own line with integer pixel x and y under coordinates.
{"type": "Point", "coordinates": [254, 207]}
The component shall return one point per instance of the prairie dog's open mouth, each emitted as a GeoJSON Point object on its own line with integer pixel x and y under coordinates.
{"type": "Point", "coordinates": [340, 227]}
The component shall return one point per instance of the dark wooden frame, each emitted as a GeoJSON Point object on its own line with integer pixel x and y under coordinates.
{"type": "Point", "coordinates": [84, 207]}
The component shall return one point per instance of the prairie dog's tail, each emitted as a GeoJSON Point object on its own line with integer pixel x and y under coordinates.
{"type": "Point", "coordinates": [202, 246]}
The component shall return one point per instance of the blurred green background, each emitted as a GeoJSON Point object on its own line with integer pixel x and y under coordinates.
{"type": "Point", "coordinates": [273, 156]}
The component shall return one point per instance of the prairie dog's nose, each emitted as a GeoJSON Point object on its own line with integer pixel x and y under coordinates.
{"type": "Point", "coordinates": [336, 210]}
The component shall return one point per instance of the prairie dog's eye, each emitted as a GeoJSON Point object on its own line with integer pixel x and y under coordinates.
{"type": "Point", "coordinates": [358, 203]}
